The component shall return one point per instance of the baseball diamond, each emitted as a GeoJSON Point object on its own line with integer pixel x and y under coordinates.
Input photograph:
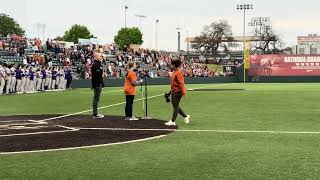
{"type": "Point", "coordinates": [28, 133]}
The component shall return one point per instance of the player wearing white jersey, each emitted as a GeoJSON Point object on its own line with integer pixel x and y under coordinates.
{"type": "Point", "coordinates": [2, 79]}
{"type": "Point", "coordinates": [8, 79]}
{"type": "Point", "coordinates": [38, 79]}
{"type": "Point", "coordinates": [62, 79]}
{"type": "Point", "coordinates": [23, 80]}
{"type": "Point", "coordinates": [13, 79]}
{"type": "Point", "coordinates": [27, 73]}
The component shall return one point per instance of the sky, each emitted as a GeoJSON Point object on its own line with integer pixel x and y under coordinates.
{"type": "Point", "coordinates": [104, 18]}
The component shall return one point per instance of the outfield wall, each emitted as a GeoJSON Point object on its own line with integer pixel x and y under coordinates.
{"type": "Point", "coordinates": [285, 79]}
{"type": "Point", "coordinates": [84, 83]}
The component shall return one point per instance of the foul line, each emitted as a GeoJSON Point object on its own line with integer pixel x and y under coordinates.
{"type": "Point", "coordinates": [104, 107]}
{"type": "Point", "coordinates": [85, 147]}
{"type": "Point", "coordinates": [117, 104]}
{"type": "Point", "coordinates": [204, 130]}
{"type": "Point", "coordinates": [36, 133]}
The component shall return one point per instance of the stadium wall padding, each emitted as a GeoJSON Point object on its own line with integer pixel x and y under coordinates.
{"type": "Point", "coordinates": [286, 79]}
{"type": "Point", "coordinates": [84, 83]}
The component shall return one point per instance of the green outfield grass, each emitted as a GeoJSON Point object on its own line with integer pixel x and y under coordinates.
{"type": "Point", "coordinates": [186, 155]}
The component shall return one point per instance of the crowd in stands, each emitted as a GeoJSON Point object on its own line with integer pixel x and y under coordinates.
{"type": "Point", "coordinates": [33, 73]}
{"type": "Point", "coordinates": [80, 58]}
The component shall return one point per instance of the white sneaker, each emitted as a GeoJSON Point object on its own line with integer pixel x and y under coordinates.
{"type": "Point", "coordinates": [170, 123]}
{"type": "Point", "coordinates": [187, 119]}
{"type": "Point", "coordinates": [133, 119]}
{"type": "Point", "coordinates": [98, 116]}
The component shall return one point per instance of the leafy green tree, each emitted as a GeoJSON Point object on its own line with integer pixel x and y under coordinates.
{"type": "Point", "coordinates": [9, 25]}
{"type": "Point", "coordinates": [213, 38]}
{"type": "Point", "coordinates": [128, 36]}
{"type": "Point", "coordinates": [77, 31]}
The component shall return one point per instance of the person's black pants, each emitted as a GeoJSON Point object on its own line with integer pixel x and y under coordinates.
{"type": "Point", "coordinates": [69, 81]}
{"type": "Point", "coordinates": [129, 105]}
{"type": "Point", "coordinates": [175, 99]}
{"type": "Point", "coordinates": [96, 99]}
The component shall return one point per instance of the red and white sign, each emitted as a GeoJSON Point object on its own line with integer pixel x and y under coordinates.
{"type": "Point", "coordinates": [285, 65]}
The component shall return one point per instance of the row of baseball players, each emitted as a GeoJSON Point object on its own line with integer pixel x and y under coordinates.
{"type": "Point", "coordinates": [26, 79]}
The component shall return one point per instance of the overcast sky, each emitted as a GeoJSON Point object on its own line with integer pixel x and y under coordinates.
{"type": "Point", "coordinates": [105, 17]}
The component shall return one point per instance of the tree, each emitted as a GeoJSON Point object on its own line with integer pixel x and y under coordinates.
{"type": "Point", "coordinates": [270, 42]}
{"type": "Point", "coordinates": [128, 36]}
{"type": "Point", "coordinates": [77, 31]}
{"type": "Point", "coordinates": [58, 38]}
{"type": "Point", "coordinates": [9, 25]}
{"type": "Point", "coordinates": [213, 36]}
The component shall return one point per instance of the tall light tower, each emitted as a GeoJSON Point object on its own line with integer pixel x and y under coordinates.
{"type": "Point", "coordinates": [140, 19]}
{"type": "Point", "coordinates": [260, 23]}
{"type": "Point", "coordinates": [179, 36]}
{"type": "Point", "coordinates": [244, 8]}
{"type": "Point", "coordinates": [188, 42]}
{"type": "Point", "coordinates": [42, 27]}
{"type": "Point", "coordinates": [43, 32]}
{"type": "Point", "coordinates": [125, 16]}
{"type": "Point", "coordinates": [157, 21]}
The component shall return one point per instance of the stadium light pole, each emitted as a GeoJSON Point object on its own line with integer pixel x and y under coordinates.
{"type": "Point", "coordinates": [244, 8]}
{"type": "Point", "coordinates": [125, 16]}
{"type": "Point", "coordinates": [38, 25]}
{"type": "Point", "coordinates": [140, 19]}
{"type": "Point", "coordinates": [43, 32]}
{"type": "Point", "coordinates": [261, 23]}
{"type": "Point", "coordinates": [179, 35]}
{"type": "Point", "coordinates": [188, 43]}
{"type": "Point", "coordinates": [157, 21]}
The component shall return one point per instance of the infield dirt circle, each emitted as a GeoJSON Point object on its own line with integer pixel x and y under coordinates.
{"type": "Point", "coordinates": [36, 133]}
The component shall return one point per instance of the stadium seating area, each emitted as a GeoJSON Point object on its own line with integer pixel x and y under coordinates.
{"type": "Point", "coordinates": [18, 50]}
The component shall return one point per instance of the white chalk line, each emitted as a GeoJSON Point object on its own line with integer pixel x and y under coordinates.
{"type": "Point", "coordinates": [204, 130]}
{"type": "Point", "coordinates": [37, 133]}
{"type": "Point", "coordinates": [21, 124]}
{"type": "Point", "coordinates": [21, 128]}
{"type": "Point", "coordinates": [84, 147]}
{"type": "Point", "coordinates": [117, 104]}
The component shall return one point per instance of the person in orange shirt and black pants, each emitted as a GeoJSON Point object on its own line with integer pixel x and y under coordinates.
{"type": "Point", "coordinates": [130, 90]}
{"type": "Point", "coordinates": [177, 91]}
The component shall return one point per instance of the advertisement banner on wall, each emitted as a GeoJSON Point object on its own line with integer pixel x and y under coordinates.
{"type": "Point", "coordinates": [285, 65]}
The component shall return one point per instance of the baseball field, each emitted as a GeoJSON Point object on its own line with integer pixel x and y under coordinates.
{"type": "Point", "coordinates": [237, 131]}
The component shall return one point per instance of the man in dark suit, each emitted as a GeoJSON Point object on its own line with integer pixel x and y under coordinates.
{"type": "Point", "coordinates": [97, 83]}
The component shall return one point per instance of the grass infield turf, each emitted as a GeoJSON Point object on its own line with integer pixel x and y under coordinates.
{"type": "Point", "coordinates": [186, 155]}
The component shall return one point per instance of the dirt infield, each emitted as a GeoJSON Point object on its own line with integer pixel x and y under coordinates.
{"type": "Point", "coordinates": [30, 133]}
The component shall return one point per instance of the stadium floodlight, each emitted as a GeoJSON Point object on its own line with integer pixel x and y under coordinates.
{"type": "Point", "coordinates": [157, 21]}
{"type": "Point", "coordinates": [140, 19]}
{"type": "Point", "coordinates": [125, 16]}
{"type": "Point", "coordinates": [179, 35]}
{"type": "Point", "coordinates": [260, 22]}
{"type": "Point", "coordinates": [244, 8]}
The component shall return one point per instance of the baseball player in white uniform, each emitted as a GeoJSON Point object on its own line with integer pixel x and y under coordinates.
{"type": "Point", "coordinates": [58, 78]}
{"type": "Point", "coordinates": [8, 80]}
{"type": "Point", "coordinates": [38, 79]}
{"type": "Point", "coordinates": [48, 79]}
{"type": "Point", "coordinates": [2, 79]}
{"type": "Point", "coordinates": [13, 79]}
{"type": "Point", "coordinates": [44, 77]}
{"type": "Point", "coordinates": [62, 79]}
{"type": "Point", "coordinates": [23, 80]}
{"type": "Point", "coordinates": [27, 73]}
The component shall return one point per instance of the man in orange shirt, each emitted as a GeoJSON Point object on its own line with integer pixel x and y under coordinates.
{"type": "Point", "coordinates": [177, 91]}
{"type": "Point", "coordinates": [130, 90]}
